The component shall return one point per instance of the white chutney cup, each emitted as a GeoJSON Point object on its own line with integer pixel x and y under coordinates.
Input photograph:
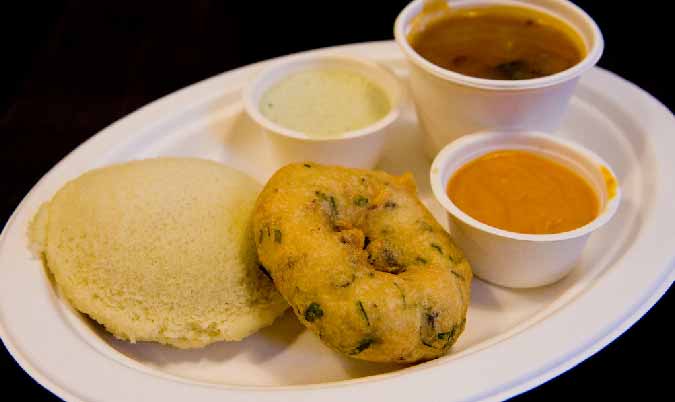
{"type": "Point", "coordinates": [360, 148]}
{"type": "Point", "coordinates": [450, 104]}
{"type": "Point", "coordinates": [521, 260]}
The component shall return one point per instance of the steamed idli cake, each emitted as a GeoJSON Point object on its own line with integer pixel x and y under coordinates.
{"type": "Point", "coordinates": [159, 250]}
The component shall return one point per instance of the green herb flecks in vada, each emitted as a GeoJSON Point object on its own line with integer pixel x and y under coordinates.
{"type": "Point", "coordinates": [373, 273]}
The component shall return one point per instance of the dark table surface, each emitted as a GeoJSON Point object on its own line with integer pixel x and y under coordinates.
{"type": "Point", "coordinates": [73, 67]}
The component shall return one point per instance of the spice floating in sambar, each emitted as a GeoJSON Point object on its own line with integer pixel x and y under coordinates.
{"type": "Point", "coordinates": [496, 42]}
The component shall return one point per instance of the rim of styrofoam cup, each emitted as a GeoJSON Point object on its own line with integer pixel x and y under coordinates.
{"type": "Point", "coordinates": [385, 80]}
{"type": "Point", "coordinates": [593, 54]}
{"type": "Point", "coordinates": [491, 138]}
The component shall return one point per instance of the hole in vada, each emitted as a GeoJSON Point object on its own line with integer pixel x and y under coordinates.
{"type": "Point", "coordinates": [384, 257]}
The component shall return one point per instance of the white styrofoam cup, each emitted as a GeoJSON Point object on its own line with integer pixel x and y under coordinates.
{"type": "Point", "coordinates": [360, 148]}
{"type": "Point", "coordinates": [450, 104]}
{"type": "Point", "coordinates": [516, 259]}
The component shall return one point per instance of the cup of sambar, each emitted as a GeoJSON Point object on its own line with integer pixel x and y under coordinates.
{"type": "Point", "coordinates": [494, 64]}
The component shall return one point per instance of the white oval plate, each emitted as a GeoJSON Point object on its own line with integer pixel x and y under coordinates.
{"type": "Point", "coordinates": [514, 340]}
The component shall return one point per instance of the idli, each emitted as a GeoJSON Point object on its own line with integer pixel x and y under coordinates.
{"type": "Point", "coordinates": [159, 250]}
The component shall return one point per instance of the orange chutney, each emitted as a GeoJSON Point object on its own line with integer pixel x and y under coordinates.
{"type": "Point", "coordinates": [523, 192]}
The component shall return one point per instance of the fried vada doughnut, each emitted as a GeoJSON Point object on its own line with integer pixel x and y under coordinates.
{"type": "Point", "coordinates": [362, 262]}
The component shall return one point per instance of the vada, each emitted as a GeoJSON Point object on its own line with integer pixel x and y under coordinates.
{"type": "Point", "coordinates": [362, 262]}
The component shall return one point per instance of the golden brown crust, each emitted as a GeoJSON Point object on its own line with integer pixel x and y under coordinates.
{"type": "Point", "coordinates": [362, 262]}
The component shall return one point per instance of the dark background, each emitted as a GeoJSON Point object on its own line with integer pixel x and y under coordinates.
{"type": "Point", "coordinates": [70, 68]}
